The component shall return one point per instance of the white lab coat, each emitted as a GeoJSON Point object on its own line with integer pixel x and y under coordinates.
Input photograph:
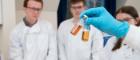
{"type": "Point", "coordinates": [33, 43]}
{"type": "Point", "coordinates": [125, 52]}
{"type": "Point", "coordinates": [133, 37]}
{"type": "Point", "coordinates": [73, 48]}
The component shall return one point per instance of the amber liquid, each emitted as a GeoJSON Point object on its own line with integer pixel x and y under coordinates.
{"type": "Point", "coordinates": [76, 29]}
{"type": "Point", "coordinates": [85, 35]}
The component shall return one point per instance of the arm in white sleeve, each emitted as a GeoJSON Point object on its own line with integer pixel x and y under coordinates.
{"type": "Point", "coordinates": [133, 37]}
{"type": "Point", "coordinates": [109, 46]}
{"type": "Point", "coordinates": [16, 47]}
{"type": "Point", "coordinates": [98, 52]}
{"type": "Point", "coordinates": [52, 49]}
{"type": "Point", "coordinates": [61, 45]}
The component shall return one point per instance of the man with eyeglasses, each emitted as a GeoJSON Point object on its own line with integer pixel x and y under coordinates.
{"type": "Point", "coordinates": [73, 46]}
{"type": "Point", "coordinates": [33, 38]}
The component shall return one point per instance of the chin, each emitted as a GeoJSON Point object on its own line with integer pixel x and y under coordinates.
{"type": "Point", "coordinates": [34, 18]}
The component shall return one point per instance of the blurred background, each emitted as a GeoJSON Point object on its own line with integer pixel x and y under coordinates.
{"type": "Point", "coordinates": [11, 12]}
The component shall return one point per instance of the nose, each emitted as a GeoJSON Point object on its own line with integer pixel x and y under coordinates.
{"type": "Point", "coordinates": [36, 13]}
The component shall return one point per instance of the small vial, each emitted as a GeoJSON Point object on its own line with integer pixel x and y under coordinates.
{"type": "Point", "coordinates": [76, 29]}
{"type": "Point", "coordinates": [78, 26]}
{"type": "Point", "coordinates": [85, 35]}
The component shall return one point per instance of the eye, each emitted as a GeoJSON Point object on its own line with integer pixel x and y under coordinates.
{"type": "Point", "coordinates": [128, 19]}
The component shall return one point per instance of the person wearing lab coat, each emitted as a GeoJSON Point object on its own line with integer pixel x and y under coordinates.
{"type": "Point", "coordinates": [33, 38]}
{"type": "Point", "coordinates": [120, 50]}
{"type": "Point", "coordinates": [102, 19]}
{"type": "Point", "coordinates": [73, 47]}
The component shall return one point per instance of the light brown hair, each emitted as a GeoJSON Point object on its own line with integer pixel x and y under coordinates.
{"type": "Point", "coordinates": [76, 1]}
{"type": "Point", "coordinates": [26, 2]}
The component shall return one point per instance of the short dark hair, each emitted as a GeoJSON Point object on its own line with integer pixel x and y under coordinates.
{"type": "Point", "coordinates": [26, 2]}
{"type": "Point", "coordinates": [76, 1]}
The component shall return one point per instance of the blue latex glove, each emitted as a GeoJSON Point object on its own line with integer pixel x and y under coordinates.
{"type": "Point", "coordinates": [103, 20]}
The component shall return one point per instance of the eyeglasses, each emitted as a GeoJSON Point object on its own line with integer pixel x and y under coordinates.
{"type": "Point", "coordinates": [130, 20]}
{"type": "Point", "coordinates": [76, 7]}
{"type": "Point", "coordinates": [35, 9]}
{"type": "Point", "coordinates": [127, 19]}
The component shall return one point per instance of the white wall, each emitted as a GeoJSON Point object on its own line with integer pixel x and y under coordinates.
{"type": "Point", "coordinates": [135, 3]}
{"type": "Point", "coordinates": [8, 10]}
{"type": "Point", "coordinates": [0, 12]}
{"type": "Point", "coordinates": [50, 16]}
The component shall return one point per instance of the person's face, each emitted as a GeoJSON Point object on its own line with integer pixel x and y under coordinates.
{"type": "Point", "coordinates": [33, 10]}
{"type": "Point", "coordinates": [126, 17]}
{"type": "Point", "coordinates": [76, 9]}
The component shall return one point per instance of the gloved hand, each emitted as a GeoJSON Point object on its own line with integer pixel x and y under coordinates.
{"type": "Point", "coordinates": [103, 20]}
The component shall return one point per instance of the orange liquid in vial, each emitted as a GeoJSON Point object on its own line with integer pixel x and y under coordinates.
{"type": "Point", "coordinates": [85, 35]}
{"type": "Point", "coordinates": [76, 29]}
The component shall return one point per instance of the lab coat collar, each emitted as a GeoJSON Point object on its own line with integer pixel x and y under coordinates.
{"type": "Point", "coordinates": [34, 29]}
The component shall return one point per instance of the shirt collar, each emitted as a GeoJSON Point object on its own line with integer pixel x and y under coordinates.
{"type": "Point", "coordinates": [34, 29]}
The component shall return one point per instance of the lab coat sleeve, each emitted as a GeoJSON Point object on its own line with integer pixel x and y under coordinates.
{"type": "Point", "coordinates": [133, 37]}
{"type": "Point", "coordinates": [108, 47]}
{"type": "Point", "coordinates": [98, 52]}
{"type": "Point", "coordinates": [61, 45]}
{"type": "Point", "coordinates": [15, 50]}
{"type": "Point", "coordinates": [52, 51]}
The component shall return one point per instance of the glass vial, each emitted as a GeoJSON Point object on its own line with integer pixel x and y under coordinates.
{"type": "Point", "coordinates": [76, 29]}
{"type": "Point", "coordinates": [85, 34]}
